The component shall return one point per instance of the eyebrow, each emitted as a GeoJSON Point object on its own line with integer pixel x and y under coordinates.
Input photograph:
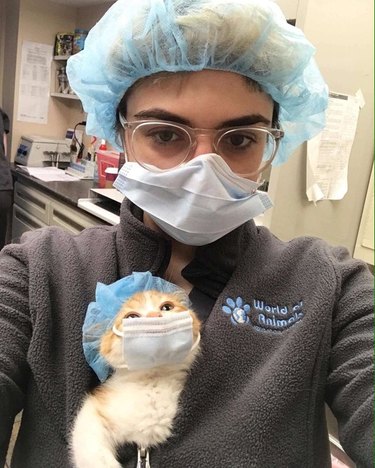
{"type": "Point", "coordinates": [161, 114]}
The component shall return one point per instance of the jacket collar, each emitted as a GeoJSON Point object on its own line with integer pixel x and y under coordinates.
{"type": "Point", "coordinates": [140, 248]}
{"type": "Point", "coordinates": [215, 263]}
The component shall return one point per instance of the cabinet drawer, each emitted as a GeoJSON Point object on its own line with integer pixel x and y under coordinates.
{"type": "Point", "coordinates": [69, 218]}
{"type": "Point", "coordinates": [22, 222]}
{"type": "Point", "coordinates": [32, 201]}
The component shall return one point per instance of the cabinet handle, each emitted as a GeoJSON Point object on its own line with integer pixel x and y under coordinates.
{"type": "Point", "coordinates": [66, 220]}
{"type": "Point", "coordinates": [29, 198]}
{"type": "Point", "coordinates": [26, 220]}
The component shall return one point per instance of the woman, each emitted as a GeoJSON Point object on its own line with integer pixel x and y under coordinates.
{"type": "Point", "coordinates": [204, 96]}
{"type": "Point", "coordinates": [6, 183]}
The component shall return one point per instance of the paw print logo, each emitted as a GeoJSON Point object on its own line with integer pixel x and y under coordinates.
{"type": "Point", "coordinates": [238, 310]}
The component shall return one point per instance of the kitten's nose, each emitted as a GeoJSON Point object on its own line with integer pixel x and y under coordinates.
{"type": "Point", "coordinates": [154, 314]}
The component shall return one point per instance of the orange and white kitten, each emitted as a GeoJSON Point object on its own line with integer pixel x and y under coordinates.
{"type": "Point", "coordinates": [136, 406]}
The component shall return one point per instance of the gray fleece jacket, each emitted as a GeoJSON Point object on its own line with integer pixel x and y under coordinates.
{"type": "Point", "coordinates": [291, 329]}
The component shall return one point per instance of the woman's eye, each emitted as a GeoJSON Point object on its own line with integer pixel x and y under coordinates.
{"type": "Point", "coordinates": [163, 136]}
{"type": "Point", "coordinates": [166, 306]}
{"type": "Point", "coordinates": [132, 315]}
{"type": "Point", "coordinates": [166, 136]}
{"type": "Point", "coordinates": [239, 141]}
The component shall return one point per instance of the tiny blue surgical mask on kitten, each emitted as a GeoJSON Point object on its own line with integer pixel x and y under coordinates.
{"type": "Point", "coordinates": [195, 203]}
{"type": "Point", "coordinates": [150, 342]}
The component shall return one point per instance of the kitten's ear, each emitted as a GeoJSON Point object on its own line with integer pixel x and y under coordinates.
{"type": "Point", "coordinates": [107, 342]}
{"type": "Point", "coordinates": [181, 297]}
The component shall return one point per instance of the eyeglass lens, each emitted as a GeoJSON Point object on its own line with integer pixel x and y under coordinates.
{"type": "Point", "coordinates": [164, 145]}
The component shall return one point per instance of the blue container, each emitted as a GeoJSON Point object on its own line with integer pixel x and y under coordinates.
{"type": "Point", "coordinates": [79, 40]}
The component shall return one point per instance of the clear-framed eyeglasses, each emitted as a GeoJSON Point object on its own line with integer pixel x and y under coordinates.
{"type": "Point", "coordinates": [163, 145]}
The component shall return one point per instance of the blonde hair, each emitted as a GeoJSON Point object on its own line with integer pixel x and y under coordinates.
{"type": "Point", "coordinates": [229, 26]}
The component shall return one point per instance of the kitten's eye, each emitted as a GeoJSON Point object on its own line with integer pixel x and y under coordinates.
{"type": "Point", "coordinates": [166, 306]}
{"type": "Point", "coordinates": [132, 315]}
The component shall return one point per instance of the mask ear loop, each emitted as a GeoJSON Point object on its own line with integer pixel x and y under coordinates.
{"type": "Point", "coordinates": [197, 341]}
{"type": "Point", "coordinates": [117, 332]}
{"type": "Point", "coordinates": [120, 137]}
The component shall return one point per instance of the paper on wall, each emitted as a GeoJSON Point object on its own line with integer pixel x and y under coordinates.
{"type": "Point", "coordinates": [328, 152]}
{"type": "Point", "coordinates": [34, 83]}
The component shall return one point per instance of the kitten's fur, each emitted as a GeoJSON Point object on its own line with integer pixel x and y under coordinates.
{"type": "Point", "coordinates": [131, 406]}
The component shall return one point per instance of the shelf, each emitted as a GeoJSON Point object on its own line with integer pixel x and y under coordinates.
{"type": "Point", "coordinates": [65, 96]}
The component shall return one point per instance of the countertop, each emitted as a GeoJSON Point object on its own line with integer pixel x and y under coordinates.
{"type": "Point", "coordinates": [68, 192]}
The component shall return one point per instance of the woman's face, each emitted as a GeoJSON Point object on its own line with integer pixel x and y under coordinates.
{"type": "Point", "coordinates": [207, 99]}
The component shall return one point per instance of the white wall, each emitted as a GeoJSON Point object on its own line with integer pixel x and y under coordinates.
{"type": "Point", "coordinates": [342, 31]}
{"type": "Point", "coordinates": [38, 21]}
{"type": "Point", "coordinates": [88, 16]}
{"type": "Point", "coordinates": [289, 8]}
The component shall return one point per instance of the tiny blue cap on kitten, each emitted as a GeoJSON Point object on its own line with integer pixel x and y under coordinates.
{"type": "Point", "coordinates": [108, 301]}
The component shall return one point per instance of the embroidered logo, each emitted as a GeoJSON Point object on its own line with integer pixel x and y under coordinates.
{"type": "Point", "coordinates": [263, 316]}
{"type": "Point", "coordinates": [237, 309]}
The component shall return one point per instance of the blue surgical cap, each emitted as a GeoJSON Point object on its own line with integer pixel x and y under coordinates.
{"type": "Point", "coordinates": [108, 301]}
{"type": "Point", "coordinates": [138, 38]}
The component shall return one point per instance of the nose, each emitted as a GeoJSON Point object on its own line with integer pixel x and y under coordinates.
{"type": "Point", "coordinates": [204, 145]}
{"type": "Point", "coordinates": [154, 314]}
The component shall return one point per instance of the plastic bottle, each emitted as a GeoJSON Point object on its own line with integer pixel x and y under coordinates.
{"type": "Point", "coordinates": [103, 145]}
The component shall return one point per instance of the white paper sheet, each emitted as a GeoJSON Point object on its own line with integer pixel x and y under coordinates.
{"type": "Point", "coordinates": [328, 153]}
{"type": "Point", "coordinates": [48, 174]}
{"type": "Point", "coordinates": [35, 81]}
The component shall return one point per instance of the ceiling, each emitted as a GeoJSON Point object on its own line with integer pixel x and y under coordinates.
{"type": "Point", "coordinates": [81, 3]}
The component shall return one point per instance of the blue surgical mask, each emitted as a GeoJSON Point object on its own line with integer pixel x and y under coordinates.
{"type": "Point", "coordinates": [150, 342]}
{"type": "Point", "coordinates": [196, 203]}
